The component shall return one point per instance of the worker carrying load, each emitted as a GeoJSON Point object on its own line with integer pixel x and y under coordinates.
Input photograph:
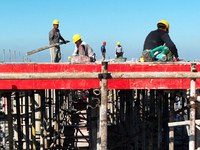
{"type": "Point", "coordinates": [54, 37]}
{"type": "Point", "coordinates": [154, 44]}
{"type": "Point", "coordinates": [119, 52]}
{"type": "Point", "coordinates": [82, 52]}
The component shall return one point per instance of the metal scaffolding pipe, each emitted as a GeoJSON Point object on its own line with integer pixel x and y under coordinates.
{"type": "Point", "coordinates": [192, 115]}
{"type": "Point", "coordinates": [192, 110]}
{"type": "Point", "coordinates": [33, 120]}
{"type": "Point", "coordinates": [10, 120]}
{"type": "Point", "coordinates": [19, 129]}
{"type": "Point", "coordinates": [95, 75]}
{"type": "Point", "coordinates": [103, 109]}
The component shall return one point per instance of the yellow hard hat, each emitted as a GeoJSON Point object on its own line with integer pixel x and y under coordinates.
{"type": "Point", "coordinates": [55, 22]}
{"type": "Point", "coordinates": [165, 23]}
{"type": "Point", "coordinates": [76, 37]}
{"type": "Point", "coordinates": [118, 43]}
{"type": "Point", "coordinates": [142, 59]}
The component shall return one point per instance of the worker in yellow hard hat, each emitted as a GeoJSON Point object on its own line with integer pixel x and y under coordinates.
{"type": "Point", "coordinates": [161, 37]}
{"type": "Point", "coordinates": [119, 52]}
{"type": "Point", "coordinates": [82, 48]}
{"type": "Point", "coordinates": [54, 37]}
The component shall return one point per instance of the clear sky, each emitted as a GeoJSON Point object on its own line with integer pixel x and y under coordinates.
{"type": "Point", "coordinates": [25, 25]}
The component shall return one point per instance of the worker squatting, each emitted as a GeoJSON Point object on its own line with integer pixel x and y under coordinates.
{"type": "Point", "coordinates": [157, 45]}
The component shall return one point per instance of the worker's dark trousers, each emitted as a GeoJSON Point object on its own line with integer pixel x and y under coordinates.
{"type": "Point", "coordinates": [119, 54]}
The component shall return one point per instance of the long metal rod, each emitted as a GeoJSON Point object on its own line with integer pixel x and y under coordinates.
{"type": "Point", "coordinates": [19, 131]}
{"type": "Point", "coordinates": [27, 120]}
{"type": "Point", "coordinates": [103, 109]}
{"type": "Point", "coordinates": [192, 109]}
{"type": "Point", "coordinates": [33, 120]}
{"type": "Point", "coordinates": [94, 75]}
{"type": "Point", "coordinates": [180, 123]}
{"type": "Point", "coordinates": [171, 119]}
{"type": "Point", "coordinates": [192, 116]}
{"type": "Point", "coordinates": [10, 121]}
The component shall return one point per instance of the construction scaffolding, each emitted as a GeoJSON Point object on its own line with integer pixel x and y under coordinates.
{"type": "Point", "coordinates": [100, 106]}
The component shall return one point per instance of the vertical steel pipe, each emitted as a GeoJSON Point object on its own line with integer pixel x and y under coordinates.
{"type": "Point", "coordinates": [142, 97]}
{"type": "Point", "coordinates": [103, 108]}
{"type": "Point", "coordinates": [9, 55]}
{"type": "Point", "coordinates": [19, 130]}
{"type": "Point", "coordinates": [33, 120]}
{"type": "Point", "coordinates": [10, 120]}
{"type": "Point", "coordinates": [159, 116]}
{"type": "Point", "coordinates": [171, 119]}
{"type": "Point", "coordinates": [14, 56]}
{"type": "Point", "coordinates": [151, 117]}
{"type": "Point", "coordinates": [192, 115]}
{"type": "Point", "coordinates": [192, 110]}
{"type": "Point", "coordinates": [3, 55]}
{"type": "Point", "coordinates": [40, 117]}
{"type": "Point", "coordinates": [27, 120]}
{"type": "Point", "coordinates": [19, 56]}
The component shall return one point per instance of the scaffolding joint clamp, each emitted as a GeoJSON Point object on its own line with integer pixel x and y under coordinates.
{"type": "Point", "coordinates": [104, 75]}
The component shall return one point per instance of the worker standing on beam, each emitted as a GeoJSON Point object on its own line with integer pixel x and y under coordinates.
{"type": "Point", "coordinates": [82, 48]}
{"type": "Point", "coordinates": [54, 37]}
{"type": "Point", "coordinates": [103, 50]}
{"type": "Point", "coordinates": [160, 37]}
{"type": "Point", "coordinates": [119, 52]}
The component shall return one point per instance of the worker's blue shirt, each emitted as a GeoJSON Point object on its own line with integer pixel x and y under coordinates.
{"type": "Point", "coordinates": [103, 49]}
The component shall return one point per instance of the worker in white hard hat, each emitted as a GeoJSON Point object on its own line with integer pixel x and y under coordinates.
{"type": "Point", "coordinates": [82, 48]}
{"type": "Point", "coordinates": [119, 52]}
{"type": "Point", "coordinates": [54, 37]}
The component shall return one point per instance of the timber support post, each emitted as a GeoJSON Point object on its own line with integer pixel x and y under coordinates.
{"type": "Point", "coordinates": [103, 107]}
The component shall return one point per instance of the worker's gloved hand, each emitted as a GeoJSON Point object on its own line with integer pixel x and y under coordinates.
{"type": "Point", "coordinates": [176, 59]}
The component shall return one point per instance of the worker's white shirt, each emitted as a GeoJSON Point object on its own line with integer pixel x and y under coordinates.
{"type": "Point", "coordinates": [88, 50]}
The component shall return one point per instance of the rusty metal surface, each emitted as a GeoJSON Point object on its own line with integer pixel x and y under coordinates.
{"type": "Point", "coordinates": [94, 75]}
{"type": "Point", "coordinates": [103, 109]}
{"type": "Point", "coordinates": [192, 116]}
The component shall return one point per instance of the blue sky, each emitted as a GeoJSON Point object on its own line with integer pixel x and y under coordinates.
{"type": "Point", "coordinates": [25, 25]}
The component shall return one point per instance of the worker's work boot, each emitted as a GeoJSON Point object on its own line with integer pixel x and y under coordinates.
{"type": "Point", "coordinates": [147, 56]}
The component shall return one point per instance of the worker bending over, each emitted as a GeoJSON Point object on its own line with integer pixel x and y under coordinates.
{"type": "Point", "coordinates": [82, 48]}
{"type": "Point", "coordinates": [54, 37]}
{"type": "Point", "coordinates": [119, 52]}
{"type": "Point", "coordinates": [160, 37]}
{"type": "Point", "coordinates": [103, 50]}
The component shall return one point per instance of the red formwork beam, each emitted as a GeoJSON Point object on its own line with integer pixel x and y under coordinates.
{"type": "Point", "coordinates": [149, 83]}
{"type": "Point", "coordinates": [95, 83]}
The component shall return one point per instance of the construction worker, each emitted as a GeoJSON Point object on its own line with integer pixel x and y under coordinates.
{"type": "Point", "coordinates": [82, 48]}
{"type": "Point", "coordinates": [119, 52]}
{"type": "Point", "coordinates": [103, 50]}
{"type": "Point", "coordinates": [160, 37]}
{"type": "Point", "coordinates": [54, 37]}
